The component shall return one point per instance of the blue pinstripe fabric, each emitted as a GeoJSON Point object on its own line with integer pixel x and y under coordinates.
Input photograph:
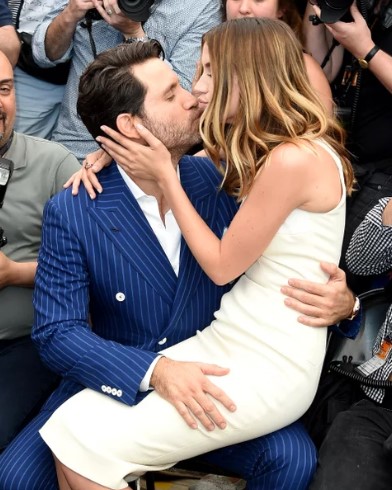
{"type": "Point", "coordinates": [283, 460]}
{"type": "Point", "coordinates": [91, 251]}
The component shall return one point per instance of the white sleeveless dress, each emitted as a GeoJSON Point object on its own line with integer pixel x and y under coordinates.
{"type": "Point", "coordinates": [274, 362]}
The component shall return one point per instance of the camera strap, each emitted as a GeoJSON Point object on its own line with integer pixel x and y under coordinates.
{"type": "Point", "coordinates": [88, 24]}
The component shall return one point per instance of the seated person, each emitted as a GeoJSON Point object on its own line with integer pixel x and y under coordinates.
{"type": "Point", "coordinates": [357, 450]}
{"type": "Point", "coordinates": [239, 323]}
{"type": "Point", "coordinates": [40, 169]}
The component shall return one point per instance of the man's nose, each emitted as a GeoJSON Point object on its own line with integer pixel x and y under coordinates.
{"type": "Point", "coordinates": [190, 101]}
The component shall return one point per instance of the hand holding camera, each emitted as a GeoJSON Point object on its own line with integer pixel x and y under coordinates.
{"type": "Point", "coordinates": [135, 10]}
{"type": "Point", "coordinates": [351, 31]}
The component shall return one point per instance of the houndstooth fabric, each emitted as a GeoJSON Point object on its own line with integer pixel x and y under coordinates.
{"type": "Point", "coordinates": [369, 253]}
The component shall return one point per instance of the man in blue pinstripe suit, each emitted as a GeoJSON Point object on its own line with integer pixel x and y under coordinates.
{"type": "Point", "coordinates": [120, 260]}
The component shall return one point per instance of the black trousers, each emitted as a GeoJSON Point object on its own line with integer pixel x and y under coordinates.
{"type": "Point", "coordinates": [25, 383]}
{"type": "Point", "coordinates": [356, 455]}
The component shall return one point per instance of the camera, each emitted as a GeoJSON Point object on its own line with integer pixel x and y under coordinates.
{"type": "Point", "coordinates": [3, 238]}
{"type": "Point", "coordinates": [137, 10]}
{"type": "Point", "coordinates": [6, 168]}
{"type": "Point", "coordinates": [332, 11]}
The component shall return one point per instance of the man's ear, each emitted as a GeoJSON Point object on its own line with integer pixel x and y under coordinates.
{"type": "Point", "coordinates": [126, 125]}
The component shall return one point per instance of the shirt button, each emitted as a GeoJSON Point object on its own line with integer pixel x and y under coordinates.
{"type": "Point", "coordinates": [120, 296]}
{"type": "Point", "coordinates": [163, 341]}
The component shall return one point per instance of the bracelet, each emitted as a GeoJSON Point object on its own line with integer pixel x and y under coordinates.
{"type": "Point", "coordinates": [364, 62]}
{"type": "Point", "coordinates": [130, 40]}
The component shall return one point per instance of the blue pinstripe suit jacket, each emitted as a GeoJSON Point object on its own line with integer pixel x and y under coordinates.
{"type": "Point", "coordinates": [93, 250]}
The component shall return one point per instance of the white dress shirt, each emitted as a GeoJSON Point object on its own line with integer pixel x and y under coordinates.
{"type": "Point", "coordinates": [168, 234]}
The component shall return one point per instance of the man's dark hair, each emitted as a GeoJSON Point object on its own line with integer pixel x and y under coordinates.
{"type": "Point", "coordinates": [108, 87]}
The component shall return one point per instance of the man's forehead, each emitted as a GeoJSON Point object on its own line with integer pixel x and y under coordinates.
{"type": "Point", "coordinates": [156, 76]}
{"type": "Point", "coordinates": [6, 72]}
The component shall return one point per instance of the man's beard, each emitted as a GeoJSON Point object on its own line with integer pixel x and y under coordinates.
{"type": "Point", "coordinates": [177, 138]}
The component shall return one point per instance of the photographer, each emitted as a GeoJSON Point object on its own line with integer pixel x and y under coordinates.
{"type": "Point", "coordinates": [70, 32]}
{"type": "Point", "coordinates": [39, 170]}
{"type": "Point", "coordinates": [359, 65]}
{"type": "Point", "coordinates": [39, 91]}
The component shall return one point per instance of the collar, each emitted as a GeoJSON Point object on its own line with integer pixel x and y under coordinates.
{"type": "Point", "coordinates": [137, 192]}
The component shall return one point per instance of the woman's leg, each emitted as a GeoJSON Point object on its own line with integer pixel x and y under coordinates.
{"type": "Point", "coordinates": [69, 480]}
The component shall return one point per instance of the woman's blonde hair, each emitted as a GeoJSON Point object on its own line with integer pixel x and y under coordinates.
{"type": "Point", "coordinates": [276, 102]}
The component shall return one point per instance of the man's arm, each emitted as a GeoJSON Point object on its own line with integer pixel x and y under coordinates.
{"type": "Point", "coordinates": [61, 329]}
{"type": "Point", "coordinates": [16, 273]}
{"type": "Point", "coordinates": [60, 32]}
{"type": "Point", "coordinates": [69, 347]}
{"type": "Point", "coordinates": [9, 43]}
{"type": "Point", "coordinates": [321, 305]}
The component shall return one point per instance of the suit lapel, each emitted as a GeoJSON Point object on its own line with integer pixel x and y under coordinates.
{"type": "Point", "coordinates": [117, 212]}
{"type": "Point", "coordinates": [199, 192]}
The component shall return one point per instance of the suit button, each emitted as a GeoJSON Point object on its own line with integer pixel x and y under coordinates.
{"type": "Point", "coordinates": [114, 391]}
{"type": "Point", "coordinates": [163, 341]}
{"type": "Point", "coordinates": [104, 388]}
{"type": "Point", "coordinates": [119, 393]}
{"type": "Point", "coordinates": [120, 297]}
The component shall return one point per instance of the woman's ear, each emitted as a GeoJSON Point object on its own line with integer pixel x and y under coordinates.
{"type": "Point", "coordinates": [126, 125]}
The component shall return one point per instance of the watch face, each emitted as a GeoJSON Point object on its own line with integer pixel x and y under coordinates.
{"type": "Point", "coordinates": [4, 176]}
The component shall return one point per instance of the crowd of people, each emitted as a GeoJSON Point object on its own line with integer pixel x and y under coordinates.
{"type": "Point", "coordinates": [228, 184]}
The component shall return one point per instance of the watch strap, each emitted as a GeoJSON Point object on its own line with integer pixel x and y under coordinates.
{"type": "Point", "coordinates": [365, 61]}
{"type": "Point", "coordinates": [356, 308]}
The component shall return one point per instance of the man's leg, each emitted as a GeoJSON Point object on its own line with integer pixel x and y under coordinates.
{"type": "Point", "coordinates": [285, 459]}
{"type": "Point", "coordinates": [25, 383]}
{"type": "Point", "coordinates": [27, 463]}
{"type": "Point", "coordinates": [352, 455]}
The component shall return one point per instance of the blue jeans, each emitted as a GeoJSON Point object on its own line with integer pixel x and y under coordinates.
{"type": "Point", "coordinates": [38, 105]}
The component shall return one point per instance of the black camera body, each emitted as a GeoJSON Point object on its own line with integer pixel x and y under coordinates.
{"type": "Point", "coordinates": [315, 20]}
{"type": "Point", "coordinates": [6, 168]}
{"type": "Point", "coordinates": [3, 238]}
{"type": "Point", "coordinates": [137, 10]}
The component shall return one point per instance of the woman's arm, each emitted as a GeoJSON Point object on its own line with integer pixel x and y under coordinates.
{"type": "Point", "coordinates": [290, 180]}
{"type": "Point", "coordinates": [318, 41]}
{"type": "Point", "coordinates": [319, 82]}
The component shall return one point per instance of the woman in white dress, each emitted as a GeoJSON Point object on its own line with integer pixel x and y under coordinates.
{"type": "Point", "coordinates": [286, 163]}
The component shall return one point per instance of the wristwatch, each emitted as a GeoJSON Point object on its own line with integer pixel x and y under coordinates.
{"type": "Point", "coordinates": [356, 308]}
{"type": "Point", "coordinates": [130, 40]}
{"type": "Point", "coordinates": [364, 62]}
